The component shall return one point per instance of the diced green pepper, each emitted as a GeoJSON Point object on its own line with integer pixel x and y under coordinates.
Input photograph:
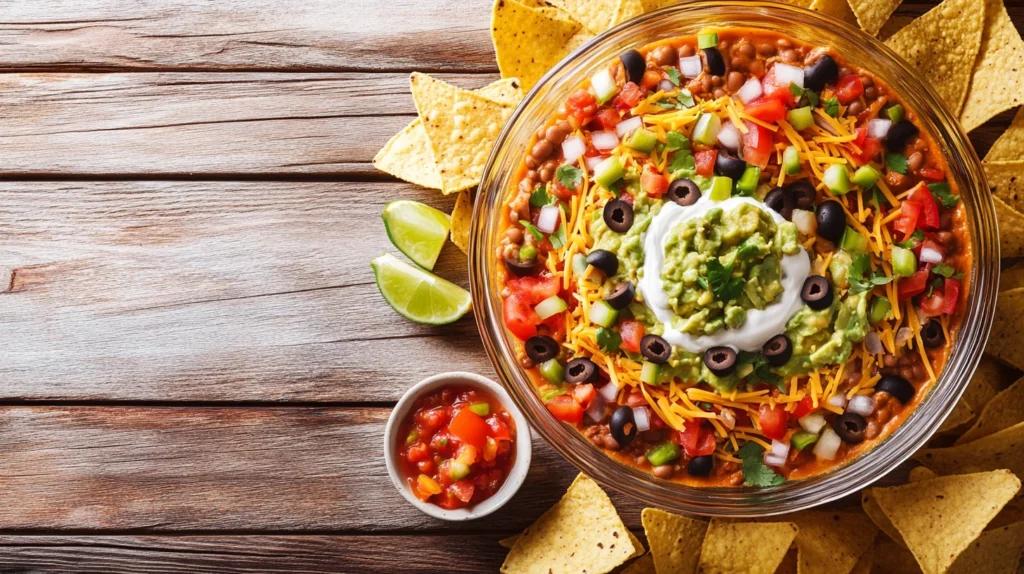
{"type": "Point", "coordinates": [904, 262]}
{"type": "Point", "coordinates": [608, 172]}
{"type": "Point", "coordinates": [791, 160]}
{"type": "Point", "coordinates": [553, 371]}
{"type": "Point", "coordinates": [482, 409]}
{"type": "Point", "coordinates": [721, 188]}
{"type": "Point", "coordinates": [664, 453]}
{"type": "Point", "coordinates": [412, 437]}
{"type": "Point", "coordinates": [550, 307]}
{"type": "Point", "coordinates": [747, 184]}
{"type": "Point", "coordinates": [603, 314]}
{"type": "Point", "coordinates": [706, 130]}
{"type": "Point", "coordinates": [803, 439]}
{"type": "Point", "coordinates": [865, 176]}
{"type": "Point", "coordinates": [853, 241]}
{"type": "Point", "coordinates": [649, 373]}
{"type": "Point", "coordinates": [880, 307]}
{"type": "Point", "coordinates": [527, 252]}
{"type": "Point", "coordinates": [642, 140]}
{"type": "Point", "coordinates": [801, 118]}
{"type": "Point", "coordinates": [895, 113]}
{"type": "Point", "coordinates": [579, 263]}
{"type": "Point", "coordinates": [707, 40]}
{"type": "Point", "coordinates": [837, 179]}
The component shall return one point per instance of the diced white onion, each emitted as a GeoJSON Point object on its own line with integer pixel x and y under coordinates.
{"type": "Point", "coordinates": [573, 148]}
{"type": "Point", "coordinates": [838, 400]}
{"type": "Point", "coordinates": [642, 419]}
{"type": "Point", "coordinates": [903, 335]}
{"type": "Point", "coordinates": [593, 162]}
{"type": "Point", "coordinates": [729, 136]}
{"type": "Point", "coordinates": [780, 448]}
{"type": "Point", "coordinates": [596, 409]}
{"type": "Point", "coordinates": [827, 445]}
{"type": "Point", "coordinates": [873, 343]}
{"type": "Point", "coordinates": [666, 86]}
{"type": "Point", "coordinates": [931, 255]}
{"type": "Point", "coordinates": [609, 392]}
{"type": "Point", "coordinates": [626, 127]}
{"type": "Point", "coordinates": [750, 91]}
{"type": "Point", "coordinates": [691, 66]}
{"type": "Point", "coordinates": [805, 221]}
{"type": "Point", "coordinates": [604, 140]}
{"type": "Point", "coordinates": [774, 460]}
{"type": "Point", "coordinates": [878, 128]}
{"type": "Point", "coordinates": [727, 418]}
{"type": "Point", "coordinates": [862, 405]}
{"type": "Point", "coordinates": [786, 75]}
{"type": "Point", "coordinates": [813, 422]}
{"type": "Point", "coordinates": [548, 219]}
{"type": "Point", "coordinates": [922, 317]}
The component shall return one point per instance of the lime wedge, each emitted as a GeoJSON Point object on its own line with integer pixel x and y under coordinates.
{"type": "Point", "coordinates": [417, 230]}
{"type": "Point", "coordinates": [418, 295]}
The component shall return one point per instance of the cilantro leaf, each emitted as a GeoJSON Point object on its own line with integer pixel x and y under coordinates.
{"type": "Point", "coordinates": [761, 371]}
{"type": "Point", "coordinates": [862, 277]}
{"type": "Point", "coordinates": [682, 160]}
{"type": "Point", "coordinates": [915, 238]}
{"type": "Point", "coordinates": [722, 284]}
{"type": "Point", "coordinates": [540, 197]}
{"type": "Point", "coordinates": [796, 90]}
{"type": "Point", "coordinates": [945, 270]}
{"type": "Point", "coordinates": [812, 98]}
{"type": "Point", "coordinates": [532, 230]}
{"type": "Point", "coordinates": [673, 75]}
{"type": "Point", "coordinates": [608, 340]}
{"type": "Point", "coordinates": [749, 449]}
{"type": "Point", "coordinates": [877, 197]}
{"type": "Point", "coordinates": [686, 98]}
{"type": "Point", "coordinates": [804, 95]}
{"type": "Point", "coordinates": [896, 162]}
{"type": "Point", "coordinates": [832, 107]}
{"type": "Point", "coordinates": [676, 140]}
{"type": "Point", "coordinates": [569, 176]}
{"type": "Point", "coordinates": [558, 239]}
{"type": "Point", "coordinates": [935, 283]}
{"type": "Point", "coordinates": [943, 194]}
{"type": "Point", "coordinates": [755, 472]}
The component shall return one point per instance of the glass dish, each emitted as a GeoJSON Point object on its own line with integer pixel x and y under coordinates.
{"type": "Point", "coordinates": [860, 49]}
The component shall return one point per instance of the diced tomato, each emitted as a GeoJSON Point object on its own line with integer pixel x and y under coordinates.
{"type": "Point", "coordinates": [931, 174]}
{"type": "Point", "coordinates": [766, 109]}
{"type": "Point", "coordinates": [906, 223]}
{"type": "Point", "coordinates": [565, 408]}
{"type": "Point", "coordinates": [607, 119]}
{"type": "Point", "coordinates": [696, 439]}
{"type": "Point", "coordinates": [705, 160]}
{"type": "Point", "coordinates": [499, 430]}
{"type": "Point", "coordinates": [742, 419]}
{"type": "Point", "coordinates": [560, 191]}
{"type": "Point", "coordinates": [628, 97]}
{"type": "Point", "coordinates": [773, 421]}
{"type": "Point", "coordinates": [536, 289]}
{"type": "Point", "coordinates": [462, 490]}
{"type": "Point", "coordinates": [849, 88]}
{"type": "Point", "coordinates": [520, 318]}
{"type": "Point", "coordinates": [582, 105]}
{"type": "Point", "coordinates": [417, 452]}
{"type": "Point", "coordinates": [653, 183]}
{"type": "Point", "coordinates": [942, 301]}
{"type": "Point", "coordinates": [773, 89]}
{"type": "Point", "coordinates": [584, 394]}
{"type": "Point", "coordinates": [869, 147]}
{"type": "Point", "coordinates": [555, 325]}
{"type": "Point", "coordinates": [432, 419]}
{"type": "Point", "coordinates": [803, 408]}
{"type": "Point", "coordinates": [929, 218]}
{"type": "Point", "coordinates": [631, 332]}
{"type": "Point", "coordinates": [908, 287]}
{"type": "Point", "coordinates": [469, 428]}
{"type": "Point", "coordinates": [757, 144]}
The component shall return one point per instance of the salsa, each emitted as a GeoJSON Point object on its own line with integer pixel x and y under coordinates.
{"type": "Point", "coordinates": [457, 447]}
{"type": "Point", "coordinates": [733, 258]}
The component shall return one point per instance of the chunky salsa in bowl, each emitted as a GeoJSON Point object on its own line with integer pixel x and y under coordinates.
{"type": "Point", "coordinates": [733, 257]}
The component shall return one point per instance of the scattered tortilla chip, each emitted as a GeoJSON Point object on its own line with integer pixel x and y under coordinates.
{"type": "Point", "coordinates": [940, 517]}
{"type": "Point", "coordinates": [507, 91]}
{"type": "Point", "coordinates": [528, 41]}
{"type": "Point", "coordinates": [508, 542]}
{"type": "Point", "coordinates": [997, 84]}
{"type": "Point", "coordinates": [919, 473]}
{"type": "Point", "coordinates": [1002, 449]}
{"type": "Point", "coordinates": [577, 40]}
{"type": "Point", "coordinates": [863, 566]}
{"type": "Point", "coordinates": [838, 9]}
{"type": "Point", "coordinates": [599, 15]}
{"type": "Point", "coordinates": [1011, 229]}
{"type": "Point", "coordinates": [649, 5]}
{"type": "Point", "coordinates": [1010, 145]}
{"type": "Point", "coordinates": [800, 3]}
{"type": "Point", "coordinates": [644, 565]}
{"type": "Point", "coordinates": [1006, 180]}
{"type": "Point", "coordinates": [1004, 343]}
{"type": "Point", "coordinates": [751, 547]}
{"type": "Point", "coordinates": [979, 391]}
{"type": "Point", "coordinates": [998, 375]}
{"type": "Point", "coordinates": [942, 46]}
{"type": "Point", "coordinates": [640, 550]}
{"type": "Point", "coordinates": [961, 415]}
{"type": "Point", "coordinates": [675, 540]}
{"type": "Point", "coordinates": [893, 25]}
{"type": "Point", "coordinates": [1012, 277]}
{"type": "Point", "coordinates": [462, 218]}
{"type": "Point", "coordinates": [1012, 513]}
{"type": "Point", "coordinates": [581, 533]}
{"type": "Point", "coordinates": [831, 542]}
{"type": "Point", "coordinates": [462, 127]}
{"type": "Point", "coordinates": [628, 9]}
{"type": "Point", "coordinates": [891, 558]}
{"type": "Point", "coordinates": [872, 14]}
{"type": "Point", "coordinates": [1003, 411]}
{"type": "Point", "coordinates": [994, 552]}
{"type": "Point", "coordinates": [790, 564]}
{"type": "Point", "coordinates": [874, 512]}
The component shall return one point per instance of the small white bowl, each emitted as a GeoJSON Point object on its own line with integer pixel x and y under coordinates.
{"type": "Point", "coordinates": [524, 446]}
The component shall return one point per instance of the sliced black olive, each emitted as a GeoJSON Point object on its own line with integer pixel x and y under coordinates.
{"type": "Point", "coordinates": [521, 268]}
{"type": "Point", "coordinates": [896, 386]}
{"type": "Point", "coordinates": [683, 191]}
{"type": "Point", "coordinates": [716, 63]}
{"type": "Point", "coordinates": [655, 349]}
{"type": "Point", "coordinates": [850, 427]}
{"type": "Point", "coordinates": [780, 201]}
{"type": "Point", "coordinates": [635, 65]}
{"type": "Point", "coordinates": [623, 426]}
{"type": "Point", "coordinates": [932, 335]}
{"type": "Point", "coordinates": [777, 350]}
{"type": "Point", "coordinates": [720, 360]}
{"type": "Point", "coordinates": [541, 349]}
{"type": "Point", "coordinates": [581, 370]}
{"type": "Point", "coordinates": [831, 220]}
{"type": "Point", "coordinates": [824, 71]}
{"type": "Point", "coordinates": [622, 296]}
{"type": "Point", "coordinates": [618, 215]}
{"type": "Point", "coordinates": [701, 465]}
{"type": "Point", "coordinates": [729, 165]}
{"type": "Point", "coordinates": [604, 260]}
{"type": "Point", "coordinates": [817, 292]}
{"type": "Point", "coordinates": [899, 135]}
{"type": "Point", "coordinates": [803, 193]}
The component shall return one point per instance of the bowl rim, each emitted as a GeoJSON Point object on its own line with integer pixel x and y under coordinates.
{"type": "Point", "coordinates": [516, 476]}
{"type": "Point", "coordinates": [931, 410]}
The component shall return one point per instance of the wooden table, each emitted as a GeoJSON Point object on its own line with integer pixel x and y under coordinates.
{"type": "Point", "coordinates": [195, 364]}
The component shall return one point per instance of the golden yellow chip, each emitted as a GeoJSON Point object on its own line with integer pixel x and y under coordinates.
{"type": "Point", "coordinates": [942, 45]}
{"type": "Point", "coordinates": [919, 473]}
{"type": "Point", "coordinates": [675, 540]}
{"type": "Point", "coordinates": [872, 14]}
{"type": "Point", "coordinates": [1001, 449]}
{"type": "Point", "coordinates": [1004, 343]}
{"type": "Point", "coordinates": [893, 25]}
{"type": "Point", "coordinates": [997, 84]}
{"type": "Point", "coordinates": [838, 9]}
{"type": "Point", "coordinates": [528, 41]}
{"type": "Point", "coordinates": [462, 217]}
{"type": "Point", "coordinates": [508, 542]}
{"type": "Point", "coordinates": [790, 564]}
{"type": "Point", "coordinates": [864, 565]}
{"type": "Point", "coordinates": [1010, 145]}
{"type": "Point", "coordinates": [1012, 277]}
{"type": "Point", "coordinates": [751, 547]}
{"type": "Point", "coordinates": [1011, 229]}
{"type": "Point", "coordinates": [831, 542]}
{"type": "Point", "coordinates": [961, 415]}
{"type": "Point", "coordinates": [1006, 179]}
{"type": "Point", "coordinates": [874, 512]}
{"type": "Point", "coordinates": [645, 565]}
{"type": "Point", "coordinates": [595, 15]}
{"type": "Point", "coordinates": [581, 533]}
{"type": "Point", "coordinates": [891, 558]}
{"type": "Point", "coordinates": [577, 40]}
{"type": "Point", "coordinates": [462, 127]}
{"type": "Point", "coordinates": [1003, 411]}
{"type": "Point", "coordinates": [940, 517]}
{"type": "Point", "coordinates": [511, 541]}
{"type": "Point", "coordinates": [627, 10]}
{"type": "Point", "coordinates": [1012, 513]}
{"type": "Point", "coordinates": [994, 552]}
{"type": "Point", "coordinates": [649, 5]}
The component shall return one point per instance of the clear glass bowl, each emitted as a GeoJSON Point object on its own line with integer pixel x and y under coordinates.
{"type": "Point", "coordinates": [858, 48]}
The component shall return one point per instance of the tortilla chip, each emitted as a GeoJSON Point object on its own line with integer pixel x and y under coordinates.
{"type": "Point", "coordinates": [640, 550]}
{"type": "Point", "coordinates": [577, 40]}
{"type": "Point", "coordinates": [751, 547]}
{"type": "Point", "coordinates": [675, 540]}
{"type": "Point", "coordinates": [891, 558]}
{"type": "Point", "coordinates": [462, 218]}
{"type": "Point", "coordinates": [581, 533]}
{"type": "Point", "coordinates": [1012, 513]}
{"type": "Point", "coordinates": [997, 84]}
{"type": "Point", "coordinates": [994, 552]}
{"type": "Point", "coordinates": [1003, 411]}
{"type": "Point", "coordinates": [874, 512]}
{"type": "Point", "coordinates": [1010, 145]}
{"type": "Point", "coordinates": [838, 9]}
{"type": "Point", "coordinates": [961, 415]}
{"type": "Point", "coordinates": [649, 5]}
{"type": "Point", "coordinates": [872, 14]}
{"type": "Point", "coordinates": [1002, 449]}
{"type": "Point", "coordinates": [598, 15]}
{"type": "Point", "coordinates": [940, 517]}
{"type": "Point", "coordinates": [979, 391]}
{"type": "Point", "coordinates": [1011, 229]}
{"type": "Point", "coordinates": [507, 92]}
{"type": "Point", "coordinates": [942, 45]}
{"type": "Point", "coordinates": [863, 566]}
{"type": "Point", "coordinates": [999, 376]}
{"type": "Point", "coordinates": [1012, 277]}
{"type": "Point", "coordinates": [893, 25]}
{"type": "Point", "coordinates": [831, 542]}
{"type": "Point", "coordinates": [509, 542]}
{"type": "Point", "coordinates": [645, 565]}
{"type": "Point", "coordinates": [919, 473]}
{"type": "Point", "coordinates": [790, 564]}
{"type": "Point", "coordinates": [1004, 343]}
{"type": "Point", "coordinates": [1006, 180]}
{"type": "Point", "coordinates": [628, 9]}
{"type": "Point", "coordinates": [528, 41]}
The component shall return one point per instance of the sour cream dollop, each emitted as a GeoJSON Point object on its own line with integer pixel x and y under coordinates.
{"type": "Point", "coordinates": [760, 324]}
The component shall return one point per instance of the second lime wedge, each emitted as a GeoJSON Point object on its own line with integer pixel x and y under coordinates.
{"type": "Point", "coordinates": [417, 230]}
{"type": "Point", "coordinates": [418, 295]}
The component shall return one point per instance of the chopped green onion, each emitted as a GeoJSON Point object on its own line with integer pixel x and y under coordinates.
{"type": "Point", "coordinates": [853, 241]}
{"type": "Point", "coordinates": [708, 40]}
{"type": "Point", "coordinates": [604, 86]}
{"type": "Point", "coordinates": [747, 184]}
{"type": "Point", "coordinates": [413, 436]}
{"type": "Point", "coordinates": [706, 130]}
{"type": "Point", "coordinates": [608, 172]}
{"type": "Point", "coordinates": [865, 176]}
{"type": "Point", "coordinates": [791, 160]}
{"type": "Point", "coordinates": [642, 140]}
{"type": "Point", "coordinates": [553, 371]}
{"type": "Point", "coordinates": [579, 264]}
{"type": "Point", "coordinates": [549, 307]}
{"type": "Point", "coordinates": [527, 252]}
{"type": "Point", "coordinates": [803, 439]}
{"type": "Point", "coordinates": [721, 188]}
{"type": "Point", "coordinates": [663, 454]}
{"type": "Point", "coordinates": [649, 373]}
{"type": "Point", "coordinates": [801, 118]}
{"type": "Point", "coordinates": [457, 470]}
{"type": "Point", "coordinates": [895, 113]}
{"type": "Point", "coordinates": [603, 314]}
{"type": "Point", "coordinates": [904, 262]}
{"type": "Point", "coordinates": [837, 179]}
{"type": "Point", "coordinates": [482, 409]}
{"type": "Point", "coordinates": [880, 308]}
